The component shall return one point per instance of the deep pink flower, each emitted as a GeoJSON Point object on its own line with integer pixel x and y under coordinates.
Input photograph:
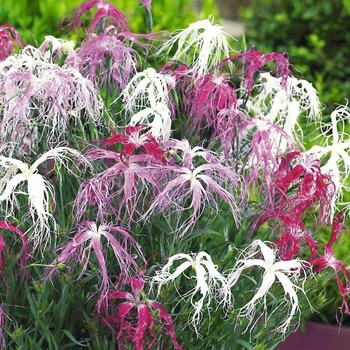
{"type": "Point", "coordinates": [89, 237]}
{"type": "Point", "coordinates": [134, 320]}
{"type": "Point", "coordinates": [6, 40]}
{"type": "Point", "coordinates": [23, 255]}
{"type": "Point", "coordinates": [208, 95]}
{"type": "Point", "coordinates": [327, 259]}
{"type": "Point", "coordinates": [106, 13]}
{"type": "Point", "coordinates": [133, 140]}
{"type": "Point", "coordinates": [301, 184]}
{"type": "Point", "coordinates": [253, 61]}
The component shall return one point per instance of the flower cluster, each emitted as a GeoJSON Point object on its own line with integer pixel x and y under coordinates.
{"type": "Point", "coordinates": [122, 156]}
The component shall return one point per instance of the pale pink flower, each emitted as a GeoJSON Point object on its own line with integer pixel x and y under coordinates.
{"type": "Point", "coordinates": [91, 236]}
{"type": "Point", "coordinates": [39, 99]}
{"type": "Point", "coordinates": [193, 189]}
{"type": "Point", "coordinates": [105, 60]}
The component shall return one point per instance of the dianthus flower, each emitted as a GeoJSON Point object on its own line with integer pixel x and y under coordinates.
{"type": "Point", "coordinates": [202, 46]}
{"type": "Point", "coordinates": [89, 237]}
{"type": "Point", "coordinates": [284, 271]}
{"type": "Point", "coordinates": [6, 40]}
{"type": "Point", "coordinates": [138, 319]}
{"type": "Point", "coordinates": [39, 191]}
{"type": "Point", "coordinates": [210, 283]}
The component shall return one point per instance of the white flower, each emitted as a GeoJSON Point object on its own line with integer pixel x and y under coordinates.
{"type": "Point", "coordinates": [157, 116]}
{"type": "Point", "coordinates": [146, 86]}
{"type": "Point", "coordinates": [282, 271]}
{"type": "Point", "coordinates": [210, 283]}
{"type": "Point", "coordinates": [202, 45]}
{"type": "Point", "coordinates": [335, 152]}
{"type": "Point", "coordinates": [39, 190]}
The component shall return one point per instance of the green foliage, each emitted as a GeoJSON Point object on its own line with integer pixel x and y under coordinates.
{"type": "Point", "coordinates": [314, 32]}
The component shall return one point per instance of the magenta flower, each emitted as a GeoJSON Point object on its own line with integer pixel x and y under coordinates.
{"type": "Point", "coordinates": [134, 320]}
{"type": "Point", "coordinates": [89, 237]}
{"type": "Point", "coordinates": [106, 13]}
{"type": "Point", "coordinates": [311, 187]}
{"type": "Point", "coordinates": [208, 95]}
{"type": "Point", "coordinates": [7, 41]}
{"type": "Point", "coordinates": [253, 61]}
{"type": "Point", "coordinates": [327, 259]}
{"type": "Point", "coordinates": [23, 255]}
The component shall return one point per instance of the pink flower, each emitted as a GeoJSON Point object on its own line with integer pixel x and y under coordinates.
{"type": "Point", "coordinates": [128, 183]}
{"type": "Point", "coordinates": [193, 188]}
{"type": "Point", "coordinates": [89, 237]}
{"type": "Point", "coordinates": [105, 59]}
{"type": "Point", "coordinates": [327, 259]}
{"type": "Point", "coordinates": [208, 95]}
{"type": "Point", "coordinates": [253, 61]}
{"type": "Point", "coordinates": [23, 255]}
{"type": "Point", "coordinates": [6, 40]}
{"type": "Point", "coordinates": [134, 320]}
{"type": "Point", "coordinates": [106, 11]}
